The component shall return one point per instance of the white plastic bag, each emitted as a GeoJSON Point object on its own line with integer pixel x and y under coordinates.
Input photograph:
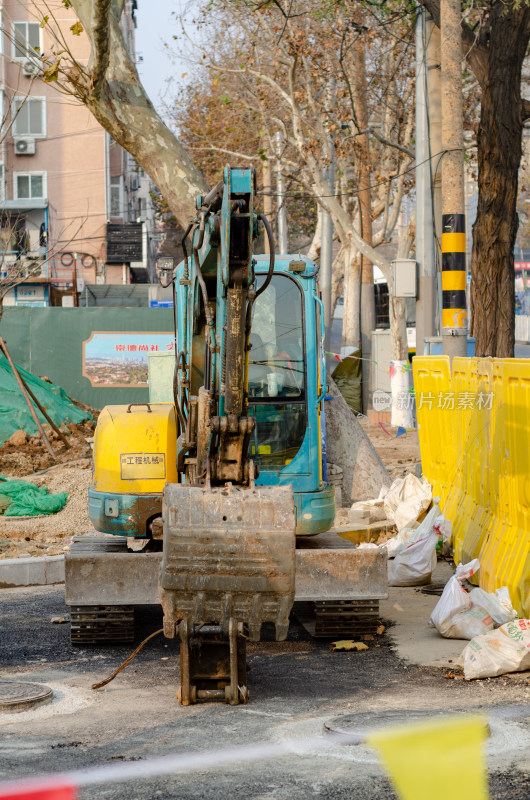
{"type": "Point", "coordinates": [498, 605]}
{"type": "Point", "coordinates": [406, 499]}
{"type": "Point", "coordinates": [453, 601]}
{"type": "Point", "coordinates": [456, 616]}
{"type": "Point", "coordinates": [415, 564]}
{"type": "Point", "coordinates": [459, 615]}
{"type": "Point", "coordinates": [495, 653]}
{"type": "Point", "coordinates": [445, 529]}
{"type": "Point", "coordinates": [410, 535]}
{"type": "Point", "coordinates": [467, 624]}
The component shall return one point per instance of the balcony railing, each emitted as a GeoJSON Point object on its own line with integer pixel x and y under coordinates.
{"type": "Point", "coordinates": [32, 263]}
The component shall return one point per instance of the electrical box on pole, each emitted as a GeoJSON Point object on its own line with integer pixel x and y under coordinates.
{"type": "Point", "coordinates": [404, 278]}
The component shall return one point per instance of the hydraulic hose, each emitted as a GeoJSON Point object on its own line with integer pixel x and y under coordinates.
{"type": "Point", "coordinates": [272, 251]}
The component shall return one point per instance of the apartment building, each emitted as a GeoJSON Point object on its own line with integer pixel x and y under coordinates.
{"type": "Point", "coordinates": [71, 198]}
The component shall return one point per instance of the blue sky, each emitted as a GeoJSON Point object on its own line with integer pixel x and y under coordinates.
{"type": "Point", "coordinates": [156, 25]}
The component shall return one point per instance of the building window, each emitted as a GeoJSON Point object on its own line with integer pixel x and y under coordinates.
{"type": "Point", "coordinates": [29, 185]}
{"type": "Point", "coordinates": [26, 39]}
{"type": "Point", "coordinates": [29, 116]}
{"type": "Point", "coordinates": [116, 199]}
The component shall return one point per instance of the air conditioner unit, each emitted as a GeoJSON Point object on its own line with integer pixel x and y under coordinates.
{"type": "Point", "coordinates": [30, 68]}
{"type": "Point", "coordinates": [24, 147]}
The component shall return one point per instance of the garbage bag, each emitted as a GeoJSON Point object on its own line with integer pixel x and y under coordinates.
{"type": "Point", "coordinates": [408, 536]}
{"type": "Point", "coordinates": [498, 604]}
{"type": "Point", "coordinates": [406, 499]}
{"type": "Point", "coordinates": [28, 500]}
{"type": "Point", "coordinates": [463, 615]}
{"type": "Point", "coordinates": [506, 649]}
{"type": "Point", "coordinates": [454, 601]}
{"type": "Point", "coordinates": [467, 624]}
{"type": "Point", "coordinates": [415, 564]}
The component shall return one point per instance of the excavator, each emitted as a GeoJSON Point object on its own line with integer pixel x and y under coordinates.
{"type": "Point", "coordinates": [223, 492]}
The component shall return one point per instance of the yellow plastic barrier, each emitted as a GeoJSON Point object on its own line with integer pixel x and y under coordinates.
{"type": "Point", "coordinates": [505, 553]}
{"type": "Point", "coordinates": [432, 383]}
{"type": "Point", "coordinates": [475, 452]}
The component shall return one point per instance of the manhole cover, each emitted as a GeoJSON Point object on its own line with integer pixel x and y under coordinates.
{"type": "Point", "coordinates": [20, 696]}
{"type": "Point", "coordinates": [433, 588]}
{"type": "Point", "coordinates": [350, 724]}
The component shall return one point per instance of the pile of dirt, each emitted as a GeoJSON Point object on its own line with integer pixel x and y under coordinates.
{"type": "Point", "coordinates": [27, 457]}
{"type": "Point", "coordinates": [51, 535]}
{"type": "Point", "coordinates": [399, 454]}
{"type": "Point", "coordinates": [22, 455]}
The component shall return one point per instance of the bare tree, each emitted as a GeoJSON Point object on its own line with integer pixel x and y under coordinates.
{"type": "Point", "coordinates": [338, 90]}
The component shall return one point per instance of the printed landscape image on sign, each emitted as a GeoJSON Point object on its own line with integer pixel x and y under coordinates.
{"type": "Point", "coordinates": [113, 358]}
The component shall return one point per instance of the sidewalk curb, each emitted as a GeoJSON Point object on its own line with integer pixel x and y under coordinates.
{"type": "Point", "coordinates": [39, 571]}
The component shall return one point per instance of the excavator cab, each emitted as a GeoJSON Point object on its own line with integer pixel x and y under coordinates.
{"type": "Point", "coordinates": [287, 388]}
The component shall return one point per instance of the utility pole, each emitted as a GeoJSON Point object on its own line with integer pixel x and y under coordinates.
{"type": "Point", "coordinates": [434, 106]}
{"type": "Point", "coordinates": [425, 228]}
{"type": "Point", "coordinates": [326, 258]}
{"type": "Point", "coordinates": [454, 307]}
{"type": "Point", "coordinates": [74, 282]}
{"type": "Point", "coordinates": [283, 243]}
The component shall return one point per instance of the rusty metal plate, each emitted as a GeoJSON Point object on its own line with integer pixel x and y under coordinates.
{"type": "Point", "coordinates": [228, 552]}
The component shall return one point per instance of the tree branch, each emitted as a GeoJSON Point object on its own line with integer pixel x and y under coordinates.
{"type": "Point", "coordinates": [101, 40]}
{"type": "Point", "coordinates": [383, 140]}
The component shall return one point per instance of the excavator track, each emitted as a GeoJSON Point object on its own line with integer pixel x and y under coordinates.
{"type": "Point", "coordinates": [345, 619]}
{"type": "Point", "coordinates": [95, 624]}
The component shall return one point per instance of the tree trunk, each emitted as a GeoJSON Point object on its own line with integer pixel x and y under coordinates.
{"type": "Point", "coordinates": [337, 282]}
{"type": "Point", "coordinates": [351, 330]}
{"type": "Point", "coordinates": [499, 155]}
{"type": "Point", "coordinates": [363, 167]}
{"type": "Point", "coordinates": [314, 247]}
{"type": "Point", "coordinates": [402, 403]}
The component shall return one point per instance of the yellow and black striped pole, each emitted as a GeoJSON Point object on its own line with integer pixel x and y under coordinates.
{"type": "Point", "coordinates": [454, 306]}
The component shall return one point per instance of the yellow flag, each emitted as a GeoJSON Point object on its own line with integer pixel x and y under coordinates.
{"type": "Point", "coordinates": [442, 759]}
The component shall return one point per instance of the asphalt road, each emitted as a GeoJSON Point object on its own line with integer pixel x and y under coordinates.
{"type": "Point", "coordinates": [295, 687]}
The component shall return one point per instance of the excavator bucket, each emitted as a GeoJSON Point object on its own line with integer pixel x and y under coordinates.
{"type": "Point", "coordinates": [228, 566]}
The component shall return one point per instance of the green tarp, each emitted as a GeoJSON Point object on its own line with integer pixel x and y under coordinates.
{"type": "Point", "coordinates": [24, 499]}
{"type": "Point", "coordinates": [14, 413]}
{"type": "Point", "coordinates": [347, 375]}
